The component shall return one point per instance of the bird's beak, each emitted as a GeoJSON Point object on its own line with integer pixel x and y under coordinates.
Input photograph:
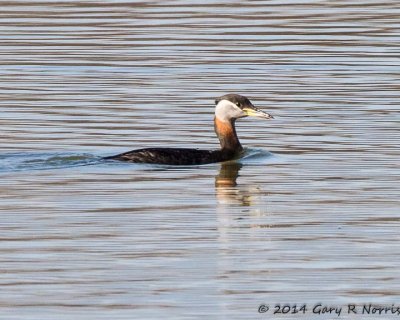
{"type": "Point", "coordinates": [255, 112]}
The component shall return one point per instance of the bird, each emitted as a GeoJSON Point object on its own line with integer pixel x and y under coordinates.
{"type": "Point", "coordinates": [228, 108]}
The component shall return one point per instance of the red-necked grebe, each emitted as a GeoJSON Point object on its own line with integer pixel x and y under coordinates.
{"type": "Point", "coordinates": [228, 108]}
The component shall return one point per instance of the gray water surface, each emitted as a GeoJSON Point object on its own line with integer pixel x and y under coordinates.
{"type": "Point", "coordinates": [310, 215]}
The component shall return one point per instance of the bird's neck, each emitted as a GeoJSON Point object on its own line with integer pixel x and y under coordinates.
{"type": "Point", "coordinates": [225, 130]}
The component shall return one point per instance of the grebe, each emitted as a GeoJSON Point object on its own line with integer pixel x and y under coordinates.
{"type": "Point", "coordinates": [228, 108]}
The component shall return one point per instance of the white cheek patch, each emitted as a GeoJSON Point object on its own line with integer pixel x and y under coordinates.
{"type": "Point", "coordinates": [226, 110]}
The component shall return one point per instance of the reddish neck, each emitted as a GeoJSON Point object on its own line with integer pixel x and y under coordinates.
{"type": "Point", "coordinates": [226, 133]}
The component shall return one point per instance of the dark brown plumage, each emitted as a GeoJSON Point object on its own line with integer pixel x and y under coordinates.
{"type": "Point", "coordinates": [175, 156]}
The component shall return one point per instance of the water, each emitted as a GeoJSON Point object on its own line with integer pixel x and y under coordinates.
{"type": "Point", "coordinates": [310, 215]}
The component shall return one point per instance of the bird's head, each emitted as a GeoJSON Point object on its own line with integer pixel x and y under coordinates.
{"type": "Point", "coordinates": [233, 106]}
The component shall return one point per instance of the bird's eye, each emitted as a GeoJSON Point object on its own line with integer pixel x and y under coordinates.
{"type": "Point", "coordinates": [238, 104]}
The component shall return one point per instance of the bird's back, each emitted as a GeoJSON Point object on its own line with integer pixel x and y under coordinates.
{"type": "Point", "coordinates": [174, 156]}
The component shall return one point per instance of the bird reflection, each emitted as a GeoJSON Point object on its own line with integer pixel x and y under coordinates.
{"type": "Point", "coordinates": [228, 174]}
{"type": "Point", "coordinates": [241, 213]}
{"type": "Point", "coordinates": [227, 190]}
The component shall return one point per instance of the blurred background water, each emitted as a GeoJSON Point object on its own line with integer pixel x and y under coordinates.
{"type": "Point", "coordinates": [311, 215]}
